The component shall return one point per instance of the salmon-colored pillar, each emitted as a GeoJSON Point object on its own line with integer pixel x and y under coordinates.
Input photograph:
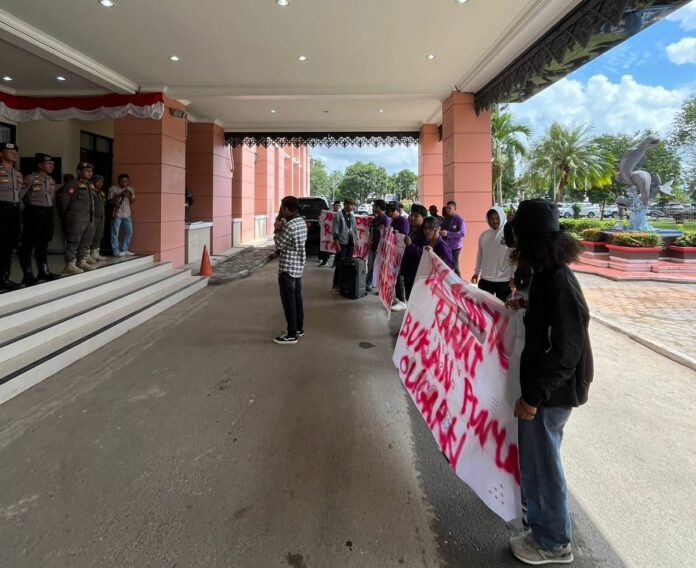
{"type": "Point", "coordinates": [209, 178]}
{"type": "Point", "coordinates": [430, 191]}
{"type": "Point", "coordinates": [296, 176]}
{"type": "Point", "coordinates": [153, 154]}
{"type": "Point", "coordinates": [279, 180]}
{"type": "Point", "coordinates": [265, 185]}
{"type": "Point", "coordinates": [467, 170]}
{"type": "Point", "coordinates": [289, 187]}
{"type": "Point", "coordinates": [243, 193]}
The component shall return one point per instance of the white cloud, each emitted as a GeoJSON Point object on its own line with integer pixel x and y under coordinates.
{"type": "Point", "coordinates": [683, 51]}
{"type": "Point", "coordinates": [612, 108]}
{"type": "Point", "coordinates": [391, 159]}
{"type": "Point", "coordinates": [686, 16]}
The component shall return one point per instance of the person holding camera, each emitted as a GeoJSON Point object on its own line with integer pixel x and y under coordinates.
{"type": "Point", "coordinates": [121, 198]}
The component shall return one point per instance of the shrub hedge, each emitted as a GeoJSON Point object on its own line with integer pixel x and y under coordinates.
{"type": "Point", "coordinates": [593, 235]}
{"type": "Point", "coordinates": [688, 239]}
{"type": "Point", "coordinates": [636, 240]}
{"type": "Point", "coordinates": [577, 226]}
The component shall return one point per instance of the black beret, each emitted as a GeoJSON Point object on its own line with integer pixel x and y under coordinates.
{"type": "Point", "coordinates": [84, 166]}
{"type": "Point", "coordinates": [9, 146]}
{"type": "Point", "coordinates": [98, 176]}
{"type": "Point", "coordinates": [41, 157]}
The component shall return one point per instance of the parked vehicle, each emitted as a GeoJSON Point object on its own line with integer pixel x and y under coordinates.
{"type": "Point", "coordinates": [565, 210]}
{"type": "Point", "coordinates": [363, 210]}
{"type": "Point", "coordinates": [310, 208]}
{"type": "Point", "coordinates": [589, 210]}
{"type": "Point", "coordinates": [611, 212]}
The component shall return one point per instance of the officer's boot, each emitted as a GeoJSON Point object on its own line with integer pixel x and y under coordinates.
{"type": "Point", "coordinates": [71, 268]}
{"type": "Point", "coordinates": [5, 282]}
{"type": "Point", "coordinates": [89, 260]}
{"type": "Point", "coordinates": [44, 274]}
{"type": "Point", "coordinates": [94, 253]}
{"type": "Point", "coordinates": [25, 262]}
{"type": "Point", "coordinates": [85, 265]}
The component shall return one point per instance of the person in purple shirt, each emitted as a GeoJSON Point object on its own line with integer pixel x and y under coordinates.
{"type": "Point", "coordinates": [453, 230]}
{"type": "Point", "coordinates": [380, 222]}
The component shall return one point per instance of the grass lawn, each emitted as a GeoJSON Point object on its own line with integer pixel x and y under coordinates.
{"type": "Point", "coordinates": [688, 226]}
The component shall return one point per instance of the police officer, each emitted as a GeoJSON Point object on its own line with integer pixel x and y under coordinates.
{"type": "Point", "coordinates": [99, 214]}
{"type": "Point", "coordinates": [11, 184]}
{"type": "Point", "coordinates": [76, 202]}
{"type": "Point", "coordinates": [38, 196]}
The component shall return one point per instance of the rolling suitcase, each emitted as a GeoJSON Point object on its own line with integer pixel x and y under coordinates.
{"type": "Point", "coordinates": [353, 278]}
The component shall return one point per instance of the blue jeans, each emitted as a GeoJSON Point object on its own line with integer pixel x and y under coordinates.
{"type": "Point", "coordinates": [543, 483]}
{"type": "Point", "coordinates": [116, 225]}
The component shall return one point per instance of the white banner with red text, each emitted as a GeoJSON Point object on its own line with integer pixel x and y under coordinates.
{"type": "Point", "coordinates": [361, 249]}
{"type": "Point", "coordinates": [458, 355]}
{"type": "Point", "coordinates": [387, 265]}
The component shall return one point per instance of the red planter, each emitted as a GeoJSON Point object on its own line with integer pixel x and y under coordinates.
{"type": "Point", "coordinates": [633, 259]}
{"type": "Point", "coordinates": [682, 254]}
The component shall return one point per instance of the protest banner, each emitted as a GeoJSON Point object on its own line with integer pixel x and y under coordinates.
{"type": "Point", "coordinates": [326, 244]}
{"type": "Point", "coordinates": [387, 264]}
{"type": "Point", "coordinates": [458, 355]}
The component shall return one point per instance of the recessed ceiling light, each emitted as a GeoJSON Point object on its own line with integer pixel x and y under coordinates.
{"type": "Point", "coordinates": [381, 110]}
{"type": "Point", "coordinates": [461, 1]}
{"type": "Point", "coordinates": [174, 58]}
{"type": "Point", "coordinates": [61, 78]}
{"type": "Point", "coordinates": [302, 58]}
{"type": "Point", "coordinates": [7, 78]}
{"type": "Point", "coordinates": [430, 56]}
{"type": "Point", "coordinates": [283, 3]}
{"type": "Point", "coordinates": [107, 3]}
{"type": "Point", "coordinates": [273, 111]}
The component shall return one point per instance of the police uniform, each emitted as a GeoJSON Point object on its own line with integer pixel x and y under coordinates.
{"type": "Point", "coordinates": [11, 184]}
{"type": "Point", "coordinates": [38, 196]}
{"type": "Point", "coordinates": [99, 216]}
{"type": "Point", "coordinates": [76, 202]}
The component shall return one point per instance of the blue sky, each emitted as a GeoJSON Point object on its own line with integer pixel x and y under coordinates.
{"type": "Point", "coordinates": [638, 84]}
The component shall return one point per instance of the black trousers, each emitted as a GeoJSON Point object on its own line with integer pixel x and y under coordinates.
{"type": "Point", "coordinates": [346, 252]}
{"type": "Point", "coordinates": [10, 227]}
{"type": "Point", "coordinates": [455, 257]}
{"type": "Point", "coordinates": [291, 297]}
{"type": "Point", "coordinates": [98, 231]}
{"type": "Point", "coordinates": [400, 292]}
{"type": "Point", "coordinates": [36, 234]}
{"type": "Point", "coordinates": [500, 290]}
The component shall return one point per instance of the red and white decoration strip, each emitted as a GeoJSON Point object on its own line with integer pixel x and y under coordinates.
{"type": "Point", "coordinates": [21, 109]}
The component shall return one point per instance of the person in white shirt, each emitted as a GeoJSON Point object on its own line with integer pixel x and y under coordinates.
{"type": "Point", "coordinates": [494, 271]}
{"type": "Point", "coordinates": [121, 198]}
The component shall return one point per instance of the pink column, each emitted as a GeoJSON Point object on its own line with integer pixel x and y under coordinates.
{"type": "Point", "coordinates": [430, 167]}
{"type": "Point", "coordinates": [243, 190]}
{"type": "Point", "coordinates": [296, 187]}
{"type": "Point", "coordinates": [305, 165]}
{"type": "Point", "coordinates": [280, 178]}
{"type": "Point", "coordinates": [209, 178]}
{"type": "Point", "coordinates": [265, 184]}
{"type": "Point", "coordinates": [467, 170]}
{"type": "Point", "coordinates": [288, 172]}
{"type": "Point", "coordinates": [153, 154]}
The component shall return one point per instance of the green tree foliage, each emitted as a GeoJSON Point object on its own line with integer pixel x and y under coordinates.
{"type": "Point", "coordinates": [362, 180]}
{"type": "Point", "coordinates": [405, 184]}
{"type": "Point", "coordinates": [319, 181]}
{"type": "Point", "coordinates": [570, 159]}
{"type": "Point", "coordinates": [684, 134]}
{"type": "Point", "coordinates": [508, 144]}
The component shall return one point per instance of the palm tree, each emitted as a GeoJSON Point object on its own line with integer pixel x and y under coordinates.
{"type": "Point", "coordinates": [567, 156]}
{"type": "Point", "coordinates": [507, 145]}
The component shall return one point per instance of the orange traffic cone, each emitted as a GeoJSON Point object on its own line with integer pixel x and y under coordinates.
{"type": "Point", "coordinates": [206, 269]}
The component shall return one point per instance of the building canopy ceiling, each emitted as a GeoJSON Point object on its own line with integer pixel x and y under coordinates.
{"type": "Point", "coordinates": [366, 68]}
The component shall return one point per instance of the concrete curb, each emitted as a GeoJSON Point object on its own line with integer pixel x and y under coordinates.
{"type": "Point", "coordinates": [655, 346]}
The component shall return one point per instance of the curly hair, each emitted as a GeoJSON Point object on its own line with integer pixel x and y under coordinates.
{"type": "Point", "coordinates": [545, 250]}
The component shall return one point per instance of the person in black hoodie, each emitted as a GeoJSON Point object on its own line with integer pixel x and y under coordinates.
{"type": "Point", "coordinates": [556, 370]}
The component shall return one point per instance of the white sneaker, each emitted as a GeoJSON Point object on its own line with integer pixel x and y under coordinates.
{"type": "Point", "coordinates": [127, 253]}
{"type": "Point", "coordinates": [525, 549]}
{"type": "Point", "coordinates": [398, 307]}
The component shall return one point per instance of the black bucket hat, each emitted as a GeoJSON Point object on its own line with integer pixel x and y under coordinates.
{"type": "Point", "coordinates": [536, 216]}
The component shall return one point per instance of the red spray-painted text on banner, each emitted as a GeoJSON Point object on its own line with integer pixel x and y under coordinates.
{"type": "Point", "coordinates": [326, 244]}
{"type": "Point", "coordinates": [387, 264]}
{"type": "Point", "coordinates": [458, 355]}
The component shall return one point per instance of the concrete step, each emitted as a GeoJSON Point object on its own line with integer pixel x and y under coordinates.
{"type": "Point", "coordinates": [79, 299]}
{"type": "Point", "coordinates": [46, 291]}
{"type": "Point", "coordinates": [96, 313]}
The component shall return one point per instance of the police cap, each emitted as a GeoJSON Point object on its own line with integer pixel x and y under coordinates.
{"type": "Point", "coordinates": [98, 177]}
{"type": "Point", "coordinates": [40, 157]}
{"type": "Point", "coordinates": [9, 146]}
{"type": "Point", "coordinates": [84, 166]}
